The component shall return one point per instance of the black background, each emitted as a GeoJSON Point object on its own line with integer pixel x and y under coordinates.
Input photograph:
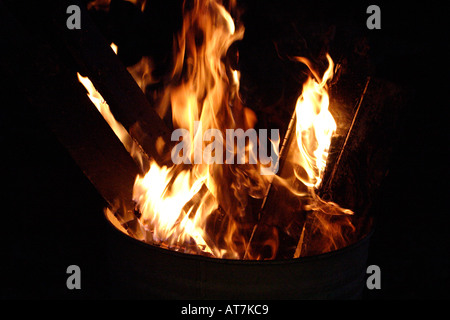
{"type": "Point", "coordinates": [52, 215]}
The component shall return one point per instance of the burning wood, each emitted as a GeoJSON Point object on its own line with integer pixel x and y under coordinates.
{"type": "Point", "coordinates": [207, 205]}
{"type": "Point", "coordinates": [305, 159]}
{"type": "Point", "coordinates": [202, 89]}
{"type": "Point", "coordinates": [128, 104]}
{"type": "Point", "coordinates": [223, 196]}
{"type": "Point", "coordinates": [310, 219]}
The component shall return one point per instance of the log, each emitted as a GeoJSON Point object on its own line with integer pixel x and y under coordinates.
{"type": "Point", "coordinates": [326, 186]}
{"type": "Point", "coordinates": [281, 209]}
{"type": "Point", "coordinates": [96, 60]}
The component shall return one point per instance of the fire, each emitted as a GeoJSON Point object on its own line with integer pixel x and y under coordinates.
{"type": "Point", "coordinates": [201, 89]}
{"type": "Point", "coordinates": [314, 126]}
{"type": "Point", "coordinates": [162, 196]}
{"type": "Point", "coordinates": [203, 206]}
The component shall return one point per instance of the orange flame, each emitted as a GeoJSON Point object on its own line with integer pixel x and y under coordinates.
{"type": "Point", "coordinates": [200, 92]}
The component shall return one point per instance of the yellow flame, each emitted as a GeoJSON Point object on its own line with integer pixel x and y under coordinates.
{"type": "Point", "coordinates": [103, 108]}
{"type": "Point", "coordinates": [165, 196]}
{"type": "Point", "coordinates": [162, 196]}
{"type": "Point", "coordinates": [314, 127]}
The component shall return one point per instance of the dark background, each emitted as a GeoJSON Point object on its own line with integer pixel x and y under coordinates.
{"type": "Point", "coordinates": [52, 215]}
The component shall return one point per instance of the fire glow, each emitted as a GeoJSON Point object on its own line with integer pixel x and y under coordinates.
{"type": "Point", "coordinates": [202, 207]}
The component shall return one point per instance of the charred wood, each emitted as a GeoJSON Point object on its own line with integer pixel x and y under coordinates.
{"type": "Point", "coordinates": [95, 59]}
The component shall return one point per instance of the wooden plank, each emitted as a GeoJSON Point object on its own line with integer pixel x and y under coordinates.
{"type": "Point", "coordinates": [355, 180]}
{"type": "Point", "coordinates": [281, 209]}
{"type": "Point", "coordinates": [127, 102]}
{"type": "Point", "coordinates": [53, 90]}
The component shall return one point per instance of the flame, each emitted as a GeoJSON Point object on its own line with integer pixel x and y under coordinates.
{"type": "Point", "coordinates": [202, 206]}
{"type": "Point", "coordinates": [201, 88]}
{"type": "Point", "coordinates": [314, 126]}
{"type": "Point", "coordinates": [162, 196]}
